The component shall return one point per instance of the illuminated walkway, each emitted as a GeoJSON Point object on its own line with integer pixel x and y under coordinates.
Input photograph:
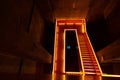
{"type": "Point", "coordinates": [88, 61]}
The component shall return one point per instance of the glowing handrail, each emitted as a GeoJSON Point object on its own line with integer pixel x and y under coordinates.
{"type": "Point", "coordinates": [55, 50]}
{"type": "Point", "coordinates": [110, 75]}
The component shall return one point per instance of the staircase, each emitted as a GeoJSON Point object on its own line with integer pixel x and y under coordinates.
{"type": "Point", "coordinates": [90, 65]}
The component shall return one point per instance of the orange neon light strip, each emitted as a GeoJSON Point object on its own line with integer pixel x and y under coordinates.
{"type": "Point", "coordinates": [70, 21]}
{"type": "Point", "coordinates": [110, 75]}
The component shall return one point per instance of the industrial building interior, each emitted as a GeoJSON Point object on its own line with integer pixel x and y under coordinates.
{"type": "Point", "coordinates": [27, 34]}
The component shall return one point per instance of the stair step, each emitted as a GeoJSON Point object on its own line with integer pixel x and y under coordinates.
{"type": "Point", "coordinates": [86, 58]}
{"type": "Point", "coordinates": [84, 50]}
{"type": "Point", "coordinates": [81, 38]}
{"type": "Point", "coordinates": [83, 46]}
{"type": "Point", "coordinates": [90, 70]}
{"type": "Point", "coordinates": [87, 61]}
{"type": "Point", "coordinates": [91, 67]}
{"type": "Point", "coordinates": [86, 69]}
{"type": "Point", "coordinates": [89, 64]}
{"type": "Point", "coordinates": [86, 64]}
{"type": "Point", "coordinates": [92, 56]}
{"type": "Point", "coordinates": [82, 42]}
{"type": "Point", "coordinates": [85, 55]}
{"type": "Point", "coordinates": [93, 73]}
{"type": "Point", "coordinates": [96, 67]}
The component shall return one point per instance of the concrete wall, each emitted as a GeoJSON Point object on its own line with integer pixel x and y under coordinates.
{"type": "Point", "coordinates": [109, 58]}
{"type": "Point", "coordinates": [21, 32]}
{"type": "Point", "coordinates": [11, 68]}
{"type": "Point", "coordinates": [113, 20]}
{"type": "Point", "coordinates": [111, 52]}
{"type": "Point", "coordinates": [9, 64]}
{"type": "Point", "coordinates": [21, 29]}
{"type": "Point", "coordinates": [116, 68]}
{"type": "Point", "coordinates": [14, 19]}
{"type": "Point", "coordinates": [37, 26]}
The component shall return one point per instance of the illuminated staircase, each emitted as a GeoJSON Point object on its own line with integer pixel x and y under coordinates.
{"type": "Point", "coordinates": [90, 65]}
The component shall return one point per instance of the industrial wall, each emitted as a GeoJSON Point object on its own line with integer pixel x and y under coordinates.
{"type": "Point", "coordinates": [21, 36]}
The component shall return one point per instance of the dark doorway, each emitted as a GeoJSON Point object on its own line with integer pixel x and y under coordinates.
{"type": "Point", "coordinates": [72, 59]}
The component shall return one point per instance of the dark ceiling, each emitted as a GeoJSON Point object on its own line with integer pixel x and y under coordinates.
{"type": "Point", "coordinates": [74, 9]}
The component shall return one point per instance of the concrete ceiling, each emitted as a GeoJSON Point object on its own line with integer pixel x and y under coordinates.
{"type": "Point", "coordinates": [88, 9]}
{"type": "Point", "coordinates": [52, 9]}
{"type": "Point", "coordinates": [70, 8]}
